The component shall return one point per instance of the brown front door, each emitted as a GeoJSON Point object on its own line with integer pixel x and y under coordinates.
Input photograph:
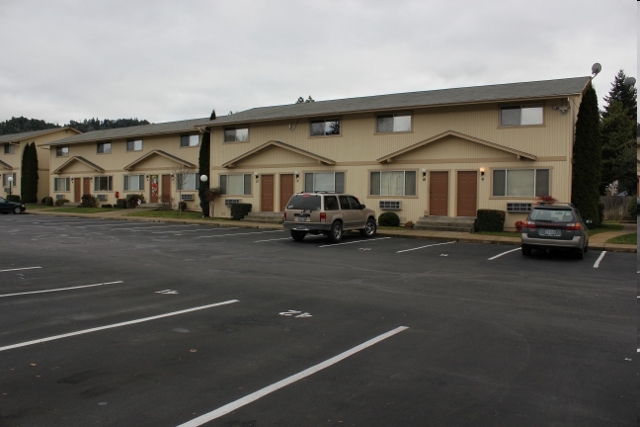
{"type": "Point", "coordinates": [286, 190]}
{"type": "Point", "coordinates": [77, 190]}
{"type": "Point", "coordinates": [153, 189]}
{"type": "Point", "coordinates": [467, 193]}
{"type": "Point", "coordinates": [86, 185]}
{"type": "Point", "coordinates": [438, 193]}
{"type": "Point", "coordinates": [165, 196]}
{"type": "Point", "coordinates": [266, 193]}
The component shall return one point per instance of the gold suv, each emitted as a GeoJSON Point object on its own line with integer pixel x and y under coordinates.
{"type": "Point", "coordinates": [330, 214]}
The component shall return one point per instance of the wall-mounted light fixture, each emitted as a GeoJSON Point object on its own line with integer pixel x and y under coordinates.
{"type": "Point", "coordinates": [297, 174]}
{"type": "Point", "coordinates": [147, 176]}
{"type": "Point", "coordinates": [72, 179]}
{"type": "Point", "coordinates": [482, 173]}
{"type": "Point", "coordinates": [256, 175]}
{"type": "Point", "coordinates": [424, 174]}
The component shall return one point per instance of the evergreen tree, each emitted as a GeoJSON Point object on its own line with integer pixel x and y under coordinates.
{"type": "Point", "coordinates": [204, 162]}
{"type": "Point", "coordinates": [624, 93]}
{"type": "Point", "coordinates": [587, 163]}
{"type": "Point", "coordinates": [22, 124]}
{"type": "Point", "coordinates": [618, 132]}
{"type": "Point", "coordinates": [29, 174]}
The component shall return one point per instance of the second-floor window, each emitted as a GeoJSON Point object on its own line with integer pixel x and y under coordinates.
{"type": "Point", "coordinates": [325, 127]}
{"type": "Point", "coordinates": [62, 151]}
{"type": "Point", "coordinates": [104, 147]}
{"type": "Point", "coordinates": [9, 149]}
{"type": "Point", "coordinates": [236, 134]}
{"type": "Point", "coordinates": [386, 123]}
{"type": "Point", "coordinates": [134, 145]}
{"type": "Point", "coordinates": [189, 140]}
{"type": "Point", "coordinates": [520, 115]}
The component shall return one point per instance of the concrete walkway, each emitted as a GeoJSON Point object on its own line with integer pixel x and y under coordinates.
{"type": "Point", "coordinates": [596, 242]}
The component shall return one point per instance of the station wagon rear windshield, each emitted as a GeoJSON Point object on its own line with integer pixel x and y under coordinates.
{"type": "Point", "coordinates": [552, 215]}
{"type": "Point", "coordinates": [304, 202]}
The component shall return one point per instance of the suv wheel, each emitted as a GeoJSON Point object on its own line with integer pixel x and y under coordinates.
{"type": "Point", "coordinates": [369, 229]}
{"type": "Point", "coordinates": [526, 250]}
{"type": "Point", "coordinates": [298, 236]}
{"type": "Point", "coordinates": [580, 253]}
{"type": "Point", "coordinates": [335, 235]}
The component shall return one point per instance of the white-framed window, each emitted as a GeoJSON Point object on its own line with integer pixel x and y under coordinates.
{"type": "Point", "coordinates": [134, 145]}
{"type": "Point", "coordinates": [104, 148]}
{"type": "Point", "coordinates": [235, 185]}
{"type": "Point", "coordinates": [102, 183]}
{"type": "Point", "coordinates": [325, 127]}
{"type": "Point", "coordinates": [5, 179]}
{"type": "Point", "coordinates": [61, 184]}
{"type": "Point", "coordinates": [324, 181]}
{"type": "Point", "coordinates": [133, 182]}
{"type": "Point", "coordinates": [62, 151]}
{"type": "Point", "coordinates": [187, 181]}
{"type": "Point", "coordinates": [236, 134]}
{"type": "Point", "coordinates": [9, 148]}
{"type": "Point", "coordinates": [521, 182]}
{"type": "Point", "coordinates": [386, 123]}
{"type": "Point", "coordinates": [189, 140]}
{"type": "Point", "coordinates": [393, 183]}
{"type": "Point", "coordinates": [521, 115]}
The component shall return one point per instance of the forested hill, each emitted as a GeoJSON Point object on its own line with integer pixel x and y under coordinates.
{"type": "Point", "coordinates": [22, 124]}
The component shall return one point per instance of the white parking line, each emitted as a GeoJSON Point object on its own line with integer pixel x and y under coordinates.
{"type": "Point", "coordinates": [19, 269]}
{"type": "Point", "coordinates": [422, 247]}
{"type": "Point", "coordinates": [271, 240]}
{"type": "Point", "coordinates": [239, 234]}
{"type": "Point", "coordinates": [349, 243]}
{"type": "Point", "coordinates": [223, 410]}
{"type": "Point", "coordinates": [116, 325]}
{"type": "Point", "coordinates": [60, 289]}
{"type": "Point", "coordinates": [503, 253]}
{"type": "Point", "coordinates": [597, 263]}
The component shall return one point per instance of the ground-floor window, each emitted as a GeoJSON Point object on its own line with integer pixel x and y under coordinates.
{"type": "Point", "coordinates": [235, 185]}
{"type": "Point", "coordinates": [521, 182]}
{"type": "Point", "coordinates": [186, 181]}
{"type": "Point", "coordinates": [393, 183]}
{"type": "Point", "coordinates": [324, 181]}
{"type": "Point", "coordinates": [133, 182]}
{"type": "Point", "coordinates": [5, 179]}
{"type": "Point", "coordinates": [61, 184]}
{"type": "Point", "coordinates": [102, 183]}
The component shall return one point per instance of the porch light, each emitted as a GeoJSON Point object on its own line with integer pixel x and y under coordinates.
{"type": "Point", "coordinates": [482, 172]}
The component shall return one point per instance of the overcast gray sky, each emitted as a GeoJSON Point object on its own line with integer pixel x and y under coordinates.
{"type": "Point", "coordinates": [169, 60]}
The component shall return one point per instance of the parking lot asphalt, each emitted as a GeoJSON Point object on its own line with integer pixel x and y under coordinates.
{"type": "Point", "coordinates": [116, 323]}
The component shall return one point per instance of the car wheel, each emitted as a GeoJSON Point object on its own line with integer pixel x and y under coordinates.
{"type": "Point", "coordinates": [298, 236]}
{"type": "Point", "coordinates": [17, 210]}
{"type": "Point", "coordinates": [369, 229]}
{"type": "Point", "coordinates": [526, 250]}
{"type": "Point", "coordinates": [335, 235]}
{"type": "Point", "coordinates": [580, 253]}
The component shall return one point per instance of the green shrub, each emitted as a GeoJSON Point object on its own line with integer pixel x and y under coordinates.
{"type": "Point", "coordinates": [121, 204]}
{"type": "Point", "coordinates": [240, 210]}
{"type": "Point", "coordinates": [132, 200]}
{"type": "Point", "coordinates": [106, 206]}
{"type": "Point", "coordinates": [88, 201]}
{"type": "Point", "coordinates": [47, 201]}
{"type": "Point", "coordinates": [389, 219]}
{"type": "Point", "coordinates": [632, 210]}
{"type": "Point", "coordinates": [600, 218]}
{"type": "Point", "coordinates": [182, 206]}
{"type": "Point", "coordinates": [60, 202]}
{"type": "Point", "coordinates": [489, 220]}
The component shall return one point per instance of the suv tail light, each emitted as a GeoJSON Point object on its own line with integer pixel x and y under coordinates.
{"type": "Point", "coordinates": [573, 226]}
{"type": "Point", "coordinates": [323, 216]}
{"type": "Point", "coordinates": [529, 224]}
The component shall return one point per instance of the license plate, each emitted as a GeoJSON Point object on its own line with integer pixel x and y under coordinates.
{"type": "Point", "coordinates": [548, 232]}
{"type": "Point", "coordinates": [303, 218]}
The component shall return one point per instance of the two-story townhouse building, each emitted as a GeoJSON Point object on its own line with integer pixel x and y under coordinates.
{"type": "Point", "coordinates": [13, 146]}
{"type": "Point", "coordinates": [159, 161]}
{"type": "Point", "coordinates": [445, 152]}
{"type": "Point", "coordinates": [638, 166]}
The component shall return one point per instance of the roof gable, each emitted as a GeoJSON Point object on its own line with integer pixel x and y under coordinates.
{"type": "Point", "coordinates": [76, 159]}
{"type": "Point", "coordinates": [270, 144]}
{"type": "Point", "coordinates": [160, 153]}
{"type": "Point", "coordinates": [389, 158]}
{"type": "Point", "coordinates": [18, 137]}
{"type": "Point", "coordinates": [6, 165]}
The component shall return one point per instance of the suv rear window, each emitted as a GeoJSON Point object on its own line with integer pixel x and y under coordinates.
{"type": "Point", "coordinates": [304, 202]}
{"type": "Point", "coordinates": [552, 215]}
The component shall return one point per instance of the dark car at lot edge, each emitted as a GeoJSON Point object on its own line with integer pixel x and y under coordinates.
{"type": "Point", "coordinates": [555, 226]}
{"type": "Point", "coordinates": [327, 213]}
{"type": "Point", "coordinates": [7, 206]}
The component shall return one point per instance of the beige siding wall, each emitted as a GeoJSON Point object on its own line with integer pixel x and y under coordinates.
{"type": "Point", "coordinates": [355, 152]}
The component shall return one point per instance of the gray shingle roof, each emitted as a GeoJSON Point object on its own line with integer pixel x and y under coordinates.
{"type": "Point", "coordinates": [17, 137]}
{"type": "Point", "coordinates": [132, 132]}
{"type": "Point", "coordinates": [468, 95]}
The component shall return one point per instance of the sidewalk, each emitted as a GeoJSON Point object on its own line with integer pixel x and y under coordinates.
{"type": "Point", "coordinates": [596, 242]}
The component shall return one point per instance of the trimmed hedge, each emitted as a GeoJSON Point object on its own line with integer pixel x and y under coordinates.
{"type": "Point", "coordinates": [13, 198]}
{"type": "Point", "coordinates": [60, 202]}
{"type": "Point", "coordinates": [389, 219]}
{"type": "Point", "coordinates": [89, 201]}
{"type": "Point", "coordinates": [121, 203]}
{"type": "Point", "coordinates": [240, 210]}
{"type": "Point", "coordinates": [489, 220]}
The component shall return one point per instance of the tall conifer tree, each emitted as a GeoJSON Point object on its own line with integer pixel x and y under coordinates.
{"type": "Point", "coordinates": [204, 162]}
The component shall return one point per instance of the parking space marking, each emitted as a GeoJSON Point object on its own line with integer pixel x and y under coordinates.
{"type": "Point", "coordinates": [349, 243]}
{"type": "Point", "coordinates": [19, 269]}
{"type": "Point", "coordinates": [271, 240]}
{"type": "Point", "coordinates": [422, 247]}
{"type": "Point", "coordinates": [239, 234]}
{"type": "Point", "coordinates": [44, 291]}
{"type": "Point", "coordinates": [223, 410]}
{"type": "Point", "coordinates": [116, 325]}
{"type": "Point", "coordinates": [597, 263]}
{"type": "Point", "coordinates": [503, 253]}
